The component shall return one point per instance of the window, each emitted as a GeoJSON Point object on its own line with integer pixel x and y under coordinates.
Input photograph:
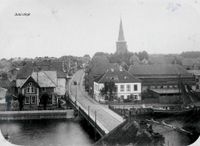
{"type": "Point", "coordinates": [43, 89]}
{"type": "Point", "coordinates": [165, 86]}
{"type": "Point", "coordinates": [33, 99]}
{"type": "Point", "coordinates": [135, 97]}
{"type": "Point", "coordinates": [30, 88]}
{"type": "Point", "coordinates": [128, 87]}
{"type": "Point", "coordinates": [158, 87]}
{"type": "Point", "coordinates": [135, 87]}
{"type": "Point", "coordinates": [50, 99]}
{"type": "Point", "coordinates": [197, 86]}
{"type": "Point", "coordinates": [122, 88]}
{"type": "Point", "coordinates": [175, 86]}
{"type": "Point", "coordinates": [122, 96]}
{"type": "Point", "coordinates": [27, 100]}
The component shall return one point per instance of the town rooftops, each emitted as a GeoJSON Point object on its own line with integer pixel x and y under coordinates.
{"type": "Point", "coordinates": [157, 69]}
{"type": "Point", "coordinates": [44, 65]}
{"type": "Point", "coordinates": [118, 75]}
{"type": "Point", "coordinates": [190, 61]}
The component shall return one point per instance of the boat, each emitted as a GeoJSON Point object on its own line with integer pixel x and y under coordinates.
{"type": "Point", "coordinates": [187, 107]}
{"type": "Point", "coordinates": [172, 110]}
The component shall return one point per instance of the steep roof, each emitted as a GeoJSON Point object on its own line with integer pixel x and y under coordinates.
{"type": "Point", "coordinates": [118, 75]}
{"type": "Point", "coordinates": [42, 78]}
{"type": "Point", "coordinates": [30, 67]}
{"type": "Point", "coordinates": [157, 69]}
{"type": "Point", "coordinates": [45, 78]}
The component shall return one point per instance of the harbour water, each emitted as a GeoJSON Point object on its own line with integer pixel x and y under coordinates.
{"type": "Point", "coordinates": [73, 133]}
{"type": "Point", "coordinates": [46, 133]}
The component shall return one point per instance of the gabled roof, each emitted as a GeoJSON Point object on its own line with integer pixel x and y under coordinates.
{"type": "Point", "coordinates": [45, 78]}
{"type": "Point", "coordinates": [29, 79]}
{"type": "Point", "coordinates": [42, 79]}
{"type": "Point", "coordinates": [119, 76]}
{"type": "Point", "coordinates": [157, 69]}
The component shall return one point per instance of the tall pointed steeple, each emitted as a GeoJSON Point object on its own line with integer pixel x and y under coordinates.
{"type": "Point", "coordinates": [121, 32]}
{"type": "Point", "coordinates": [121, 43]}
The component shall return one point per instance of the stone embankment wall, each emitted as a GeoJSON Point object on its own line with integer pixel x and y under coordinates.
{"type": "Point", "coordinates": [33, 115]}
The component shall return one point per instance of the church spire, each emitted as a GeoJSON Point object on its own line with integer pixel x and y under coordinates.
{"type": "Point", "coordinates": [121, 46]}
{"type": "Point", "coordinates": [121, 32]}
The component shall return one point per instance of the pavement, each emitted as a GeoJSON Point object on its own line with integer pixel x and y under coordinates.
{"type": "Point", "coordinates": [104, 116]}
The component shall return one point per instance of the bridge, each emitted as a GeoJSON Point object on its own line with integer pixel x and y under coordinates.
{"type": "Point", "coordinates": [99, 116]}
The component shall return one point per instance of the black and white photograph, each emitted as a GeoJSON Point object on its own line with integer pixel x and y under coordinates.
{"type": "Point", "coordinates": [99, 72]}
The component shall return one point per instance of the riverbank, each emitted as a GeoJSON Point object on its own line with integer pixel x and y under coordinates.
{"type": "Point", "coordinates": [33, 115]}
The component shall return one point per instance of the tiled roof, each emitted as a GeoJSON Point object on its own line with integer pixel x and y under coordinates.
{"type": "Point", "coordinates": [37, 66]}
{"type": "Point", "coordinates": [42, 78]}
{"type": "Point", "coordinates": [45, 78]}
{"type": "Point", "coordinates": [157, 69]}
{"type": "Point", "coordinates": [119, 76]}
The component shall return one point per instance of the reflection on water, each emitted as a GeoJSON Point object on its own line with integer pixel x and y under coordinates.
{"type": "Point", "coordinates": [72, 133]}
{"type": "Point", "coordinates": [46, 133]}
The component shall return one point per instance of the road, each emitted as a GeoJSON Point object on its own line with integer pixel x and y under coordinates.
{"type": "Point", "coordinates": [104, 116]}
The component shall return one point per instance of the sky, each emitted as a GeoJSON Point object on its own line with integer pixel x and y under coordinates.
{"type": "Point", "coordinates": [77, 27]}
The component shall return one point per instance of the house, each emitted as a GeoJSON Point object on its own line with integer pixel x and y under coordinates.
{"type": "Point", "coordinates": [35, 79]}
{"type": "Point", "coordinates": [163, 79]}
{"type": "Point", "coordinates": [35, 85]}
{"type": "Point", "coordinates": [127, 86]}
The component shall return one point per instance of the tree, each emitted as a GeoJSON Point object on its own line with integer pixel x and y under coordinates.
{"type": "Point", "coordinates": [8, 100]}
{"type": "Point", "coordinates": [143, 55]}
{"type": "Point", "coordinates": [20, 99]}
{"type": "Point", "coordinates": [109, 90]}
{"type": "Point", "coordinates": [44, 100]}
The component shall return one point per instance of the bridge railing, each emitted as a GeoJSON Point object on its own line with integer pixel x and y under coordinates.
{"type": "Point", "coordinates": [92, 115]}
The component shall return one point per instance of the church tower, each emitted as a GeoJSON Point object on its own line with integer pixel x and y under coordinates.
{"type": "Point", "coordinates": [121, 43]}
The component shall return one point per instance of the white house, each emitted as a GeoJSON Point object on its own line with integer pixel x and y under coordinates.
{"type": "Point", "coordinates": [128, 87]}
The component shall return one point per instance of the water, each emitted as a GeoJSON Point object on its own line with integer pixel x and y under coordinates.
{"type": "Point", "coordinates": [73, 133]}
{"type": "Point", "coordinates": [46, 133]}
{"type": "Point", "coordinates": [173, 138]}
